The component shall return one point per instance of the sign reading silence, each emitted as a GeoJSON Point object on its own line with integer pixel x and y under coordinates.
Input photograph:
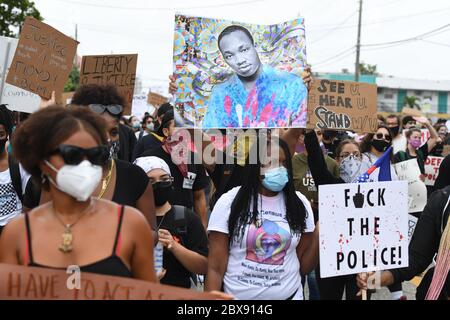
{"type": "Point", "coordinates": [363, 227]}
{"type": "Point", "coordinates": [31, 283]}
{"type": "Point", "coordinates": [119, 69]}
{"type": "Point", "coordinates": [43, 59]}
{"type": "Point", "coordinates": [342, 105]}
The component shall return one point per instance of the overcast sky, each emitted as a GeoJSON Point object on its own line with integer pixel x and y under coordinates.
{"type": "Point", "coordinates": [146, 27]}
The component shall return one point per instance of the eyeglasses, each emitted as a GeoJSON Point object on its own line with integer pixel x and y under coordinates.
{"type": "Point", "coordinates": [163, 183]}
{"type": "Point", "coordinates": [381, 136]}
{"type": "Point", "coordinates": [73, 155]}
{"type": "Point", "coordinates": [347, 154]}
{"type": "Point", "coordinates": [114, 109]}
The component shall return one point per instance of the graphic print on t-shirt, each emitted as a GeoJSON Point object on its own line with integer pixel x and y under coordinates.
{"type": "Point", "coordinates": [8, 199]}
{"type": "Point", "coordinates": [267, 244]}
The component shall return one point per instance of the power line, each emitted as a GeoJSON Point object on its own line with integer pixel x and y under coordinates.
{"type": "Point", "coordinates": [160, 8]}
{"type": "Point", "coordinates": [391, 19]}
{"type": "Point", "coordinates": [345, 52]}
{"type": "Point", "coordinates": [437, 43]}
{"type": "Point", "coordinates": [334, 30]}
{"type": "Point", "coordinates": [418, 37]}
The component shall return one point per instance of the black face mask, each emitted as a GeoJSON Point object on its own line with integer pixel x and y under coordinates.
{"type": "Point", "coordinates": [380, 145]}
{"type": "Point", "coordinates": [394, 130]}
{"type": "Point", "coordinates": [2, 145]}
{"type": "Point", "coordinates": [161, 193]}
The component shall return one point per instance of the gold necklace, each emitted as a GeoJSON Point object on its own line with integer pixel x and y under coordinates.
{"type": "Point", "coordinates": [67, 238]}
{"type": "Point", "coordinates": [106, 180]}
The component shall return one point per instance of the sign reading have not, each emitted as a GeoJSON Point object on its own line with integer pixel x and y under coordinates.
{"type": "Point", "coordinates": [119, 69]}
{"type": "Point", "coordinates": [363, 227]}
{"type": "Point", "coordinates": [31, 283]}
{"type": "Point", "coordinates": [43, 59]}
{"type": "Point", "coordinates": [342, 105]}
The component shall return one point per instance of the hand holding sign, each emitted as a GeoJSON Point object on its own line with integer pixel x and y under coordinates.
{"type": "Point", "coordinates": [358, 198]}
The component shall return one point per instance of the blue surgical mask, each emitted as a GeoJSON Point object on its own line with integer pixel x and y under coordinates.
{"type": "Point", "coordinates": [275, 179]}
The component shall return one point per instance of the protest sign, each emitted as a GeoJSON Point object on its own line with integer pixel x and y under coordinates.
{"type": "Point", "coordinates": [212, 86]}
{"type": "Point", "coordinates": [411, 112]}
{"type": "Point", "coordinates": [31, 283]}
{"type": "Point", "coordinates": [42, 60]}
{"type": "Point", "coordinates": [14, 97]}
{"type": "Point", "coordinates": [417, 191]}
{"type": "Point", "coordinates": [118, 69]}
{"type": "Point", "coordinates": [363, 227]}
{"type": "Point", "coordinates": [432, 165]}
{"type": "Point", "coordinates": [412, 223]}
{"type": "Point", "coordinates": [156, 99]}
{"type": "Point", "coordinates": [342, 105]}
{"type": "Point", "coordinates": [140, 106]}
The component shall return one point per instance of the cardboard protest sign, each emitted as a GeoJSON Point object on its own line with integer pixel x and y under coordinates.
{"type": "Point", "coordinates": [31, 283]}
{"type": "Point", "coordinates": [156, 99]}
{"type": "Point", "coordinates": [363, 227]}
{"type": "Point", "coordinates": [432, 165]}
{"type": "Point", "coordinates": [118, 69]}
{"type": "Point", "coordinates": [140, 106]}
{"type": "Point", "coordinates": [252, 80]}
{"type": "Point", "coordinates": [42, 60]}
{"type": "Point", "coordinates": [342, 105]}
{"type": "Point", "coordinates": [412, 223]}
{"type": "Point", "coordinates": [417, 191]}
{"type": "Point", "coordinates": [14, 97]}
{"type": "Point", "coordinates": [411, 112]}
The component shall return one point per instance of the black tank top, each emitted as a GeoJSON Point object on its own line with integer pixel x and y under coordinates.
{"type": "Point", "coordinates": [112, 265]}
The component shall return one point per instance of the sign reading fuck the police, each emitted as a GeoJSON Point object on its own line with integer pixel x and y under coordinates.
{"type": "Point", "coordinates": [363, 227]}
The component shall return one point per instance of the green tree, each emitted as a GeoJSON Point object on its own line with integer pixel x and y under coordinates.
{"type": "Point", "coordinates": [368, 68]}
{"type": "Point", "coordinates": [412, 102]}
{"type": "Point", "coordinates": [12, 16]}
{"type": "Point", "coordinates": [74, 80]}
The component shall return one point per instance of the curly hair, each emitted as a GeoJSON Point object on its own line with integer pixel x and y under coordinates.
{"type": "Point", "coordinates": [44, 130]}
{"type": "Point", "coordinates": [105, 94]}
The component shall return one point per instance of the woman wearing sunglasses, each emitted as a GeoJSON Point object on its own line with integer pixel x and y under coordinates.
{"type": "Point", "coordinates": [65, 150]}
{"type": "Point", "coordinates": [373, 147]}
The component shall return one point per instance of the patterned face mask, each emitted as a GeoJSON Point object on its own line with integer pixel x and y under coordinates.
{"type": "Point", "coordinates": [352, 167]}
{"type": "Point", "coordinates": [114, 148]}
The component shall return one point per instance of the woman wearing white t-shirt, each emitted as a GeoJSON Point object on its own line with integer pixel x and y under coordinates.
{"type": "Point", "coordinates": [259, 249]}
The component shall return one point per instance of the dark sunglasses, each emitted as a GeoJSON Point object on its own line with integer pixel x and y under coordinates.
{"type": "Point", "coordinates": [381, 136]}
{"type": "Point", "coordinates": [114, 109]}
{"type": "Point", "coordinates": [73, 155]}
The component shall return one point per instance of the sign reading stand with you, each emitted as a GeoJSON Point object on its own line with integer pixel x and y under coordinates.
{"type": "Point", "coordinates": [342, 105]}
{"type": "Point", "coordinates": [43, 59]}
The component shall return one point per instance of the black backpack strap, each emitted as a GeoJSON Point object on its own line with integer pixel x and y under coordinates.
{"type": "Point", "coordinates": [141, 133]}
{"type": "Point", "coordinates": [445, 212]}
{"type": "Point", "coordinates": [180, 220]}
{"type": "Point", "coordinates": [16, 178]}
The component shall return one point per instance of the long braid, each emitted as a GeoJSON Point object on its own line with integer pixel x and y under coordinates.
{"type": "Point", "coordinates": [442, 265]}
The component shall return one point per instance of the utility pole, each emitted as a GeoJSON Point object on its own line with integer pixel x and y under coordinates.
{"type": "Point", "coordinates": [75, 62]}
{"type": "Point", "coordinates": [358, 42]}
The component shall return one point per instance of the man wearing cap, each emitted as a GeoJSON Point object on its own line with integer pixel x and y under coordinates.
{"type": "Point", "coordinates": [179, 229]}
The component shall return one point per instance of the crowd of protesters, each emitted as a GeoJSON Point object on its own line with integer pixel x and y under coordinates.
{"type": "Point", "coordinates": [82, 185]}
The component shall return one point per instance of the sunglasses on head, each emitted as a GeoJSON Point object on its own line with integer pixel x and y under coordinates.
{"type": "Point", "coordinates": [114, 109]}
{"type": "Point", "coordinates": [73, 155]}
{"type": "Point", "coordinates": [381, 136]}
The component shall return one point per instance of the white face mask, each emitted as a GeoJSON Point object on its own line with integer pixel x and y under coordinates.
{"type": "Point", "coordinates": [78, 181]}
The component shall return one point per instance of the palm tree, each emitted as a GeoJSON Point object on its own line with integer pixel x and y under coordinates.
{"type": "Point", "coordinates": [412, 102]}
